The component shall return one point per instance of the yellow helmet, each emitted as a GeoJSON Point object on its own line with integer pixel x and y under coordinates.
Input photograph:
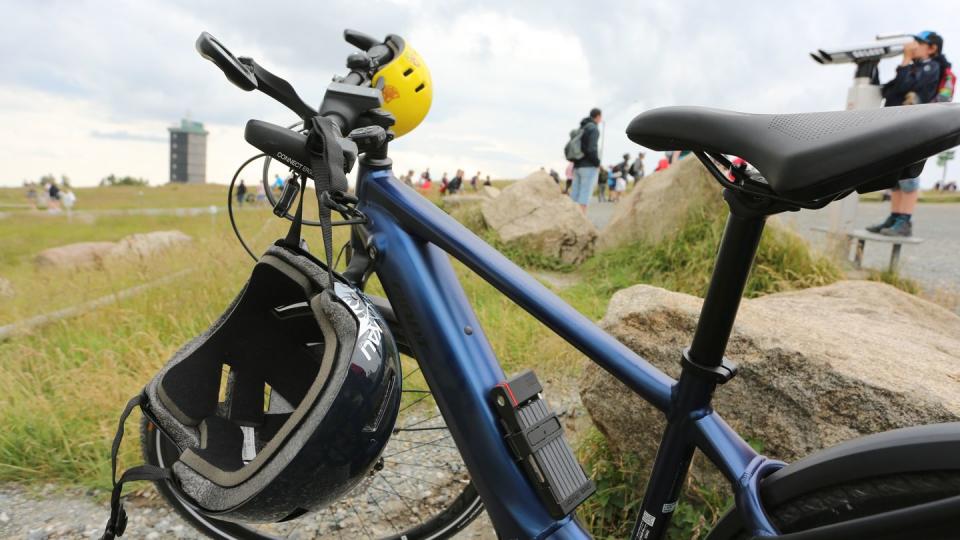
{"type": "Point", "coordinates": [407, 89]}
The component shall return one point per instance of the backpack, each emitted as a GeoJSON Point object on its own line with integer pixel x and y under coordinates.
{"type": "Point", "coordinates": [573, 151]}
{"type": "Point", "coordinates": [945, 90]}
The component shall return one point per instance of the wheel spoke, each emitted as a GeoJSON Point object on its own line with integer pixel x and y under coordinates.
{"type": "Point", "coordinates": [417, 446]}
{"type": "Point", "coordinates": [418, 400]}
{"type": "Point", "coordinates": [396, 473]}
{"type": "Point", "coordinates": [376, 502]}
{"type": "Point", "coordinates": [419, 465]}
{"type": "Point", "coordinates": [362, 522]}
{"type": "Point", "coordinates": [404, 499]}
{"type": "Point", "coordinates": [418, 422]}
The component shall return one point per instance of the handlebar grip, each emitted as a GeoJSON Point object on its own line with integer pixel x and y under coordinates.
{"type": "Point", "coordinates": [285, 145]}
{"type": "Point", "coordinates": [359, 40]}
{"type": "Point", "coordinates": [214, 51]}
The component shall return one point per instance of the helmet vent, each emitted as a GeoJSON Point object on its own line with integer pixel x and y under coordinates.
{"type": "Point", "coordinates": [419, 88]}
{"type": "Point", "coordinates": [408, 72]}
{"type": "Point", "coordinates": [224, 383]}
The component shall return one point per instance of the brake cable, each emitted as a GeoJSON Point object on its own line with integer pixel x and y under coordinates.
{"type": "Point", "coordinates": [233, 222]}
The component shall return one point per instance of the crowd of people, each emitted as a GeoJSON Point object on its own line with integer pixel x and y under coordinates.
{"type": "Point", "coordinates": [448, 185]}
{"type": "Point", "coordinates": [48, 194]}
{"type": "Point", "coordinates": [945, 186]}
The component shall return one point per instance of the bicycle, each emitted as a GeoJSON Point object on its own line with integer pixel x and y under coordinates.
{"type": "Point", "coordinates": [899, 484]}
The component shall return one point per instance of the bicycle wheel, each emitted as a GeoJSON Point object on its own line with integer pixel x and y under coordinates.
{"type": "Point", "coordinates": [420, 488]}
{"type": "Point", "coordinates": [861, 498]}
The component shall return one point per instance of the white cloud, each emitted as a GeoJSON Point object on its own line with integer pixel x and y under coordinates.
{"type": "Point", "coordinates": [511, 79]}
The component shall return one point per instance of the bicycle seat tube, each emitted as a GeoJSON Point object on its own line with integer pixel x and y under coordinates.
{"type": "Point", "coordinates": [703, 366]}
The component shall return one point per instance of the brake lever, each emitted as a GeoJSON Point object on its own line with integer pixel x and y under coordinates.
{"type": "Point", "coordinates": [279, 89]}
{"type": "Point", "coordinates": [359, 40]}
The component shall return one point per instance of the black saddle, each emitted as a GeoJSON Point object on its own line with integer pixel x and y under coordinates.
{"type": "Point", "coordinates": [811, 156]}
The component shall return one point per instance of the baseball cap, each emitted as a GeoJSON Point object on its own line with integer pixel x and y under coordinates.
{"type": "Point", "coordinates": [930, 37]}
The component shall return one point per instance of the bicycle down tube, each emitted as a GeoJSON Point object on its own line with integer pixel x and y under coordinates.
{"type": "Point", "coordinates": [409, 239]}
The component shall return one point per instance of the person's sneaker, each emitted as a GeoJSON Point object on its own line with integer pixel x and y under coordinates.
{"type": "Point", "coordinates": [901, 227]}
{"type": "Point", "coordinates": [886, 223]}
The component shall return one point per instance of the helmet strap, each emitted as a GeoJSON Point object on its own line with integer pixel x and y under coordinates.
{"type": "Point", "coordinates": [117, 522]}
{"type": "Point", "coordinates": [326, 162]}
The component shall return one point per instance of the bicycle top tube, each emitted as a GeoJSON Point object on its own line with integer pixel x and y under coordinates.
{"type": "Point", "coordinates": [422, 218]}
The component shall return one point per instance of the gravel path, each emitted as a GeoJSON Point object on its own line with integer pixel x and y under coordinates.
{"type": "Point", "coordinates": [600, 212]}
{"type": "Point", "coordinates": [935, 263]}
{"type": "Point", "coordinates": [50, 513]}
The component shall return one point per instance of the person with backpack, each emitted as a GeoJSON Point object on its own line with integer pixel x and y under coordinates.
{"type": "Point", "coordinates": [918, 80]}
{"type": "Point", "coordinates": [623, 166]}
{"type": "Point", "coordinates": [444, 184]}
{"type": "Point", "coordinates": [636, 169]}
{"type": "Point", "coordinates": [583, 150]}
{"type": "Point", "coordinates": [241, 192]}
{"type": "Point", "coordinates": [455, 183]}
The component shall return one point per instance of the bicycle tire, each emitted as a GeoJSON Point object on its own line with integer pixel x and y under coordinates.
{"type": "Point", "coordinates": [447, 515]}
{"type": "Point", "coordinates": [452, 519]}
{"type": "Point", "coordinates": [860, 498]}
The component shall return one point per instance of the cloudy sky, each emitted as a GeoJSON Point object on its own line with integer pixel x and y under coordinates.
{"type": "Point", "coordinates": [89, 88]}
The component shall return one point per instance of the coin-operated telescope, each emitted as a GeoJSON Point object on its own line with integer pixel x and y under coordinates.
{"type": "Point", "coordinates": [865, 92]}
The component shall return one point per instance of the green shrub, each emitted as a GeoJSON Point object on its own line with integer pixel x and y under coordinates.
{"type": "Point", "coordinates": [892, 278]}
{"type": "Point", "coordinates": [684, 262]}
{"type": "Point", "coordinates": [611, 512]}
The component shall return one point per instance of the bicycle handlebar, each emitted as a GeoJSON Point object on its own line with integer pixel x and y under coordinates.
{"type": "Point", "coordinates": [237, 73]}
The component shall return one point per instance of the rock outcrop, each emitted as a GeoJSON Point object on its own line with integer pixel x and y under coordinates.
{"type": "Point", "coordinates": [78, 255]}
{"type": "Point", "coordinates": [817, 366]}
{"type": "Point", "coordinates": [147, 244]}
{"type": "Point", "coordinates": [534, 214]}
{"type": "Point", "coordinates": [660, 203]}
{"type": "Point", "coordinates": [94, 254]}
{"type": "Point", "coordinates": [489, 192]}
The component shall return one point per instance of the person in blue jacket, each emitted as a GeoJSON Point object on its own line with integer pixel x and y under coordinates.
{"type": "Point", "coordinates": [917, 81]}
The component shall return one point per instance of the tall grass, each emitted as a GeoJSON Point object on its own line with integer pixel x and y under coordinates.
{"type": "Point", "coordinates": [684, 263]}
{"type": "Point", "coordinates": [62, 386]}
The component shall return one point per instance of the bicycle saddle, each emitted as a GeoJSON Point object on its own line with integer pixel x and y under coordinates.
{"type": "Point", "coordinates": [805, 157]}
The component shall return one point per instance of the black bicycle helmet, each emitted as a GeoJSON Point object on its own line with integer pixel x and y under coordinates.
{"type": "Point", "coordinates": [286, 402]}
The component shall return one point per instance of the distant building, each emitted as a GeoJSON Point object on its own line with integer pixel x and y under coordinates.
{"type": "Point", "coordinates": [188, 153]}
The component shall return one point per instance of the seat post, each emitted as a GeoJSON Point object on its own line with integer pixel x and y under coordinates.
{"type": "Point", "coordinates": [734, 259]}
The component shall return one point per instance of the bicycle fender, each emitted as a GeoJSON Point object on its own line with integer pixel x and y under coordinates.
{"type": "Point", "coordinates": [934, 447]}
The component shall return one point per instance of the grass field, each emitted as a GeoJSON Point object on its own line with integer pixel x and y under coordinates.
{"type": "Point", "coordinates": [62, 385]}
{"type": "Point", "coordinates": [129, 197]}
{"type": "Point", "coordinates": [926, 196]}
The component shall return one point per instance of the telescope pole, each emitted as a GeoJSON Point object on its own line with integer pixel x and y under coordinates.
{"type": "Point", "coordinates": [864, 94]}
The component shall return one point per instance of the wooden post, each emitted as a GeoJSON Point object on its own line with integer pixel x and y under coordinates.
{"type": "Point", "coordinates": [858, 257]}
{"type": "Point", "coordinates": [894, 258]}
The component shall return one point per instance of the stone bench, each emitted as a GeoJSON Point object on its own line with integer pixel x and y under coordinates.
{"type": "Point", "coordinates": [862, 236]}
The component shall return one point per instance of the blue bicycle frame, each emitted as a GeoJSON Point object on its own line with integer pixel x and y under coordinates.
{"type": "Point", "coordinates": [409, 240]}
